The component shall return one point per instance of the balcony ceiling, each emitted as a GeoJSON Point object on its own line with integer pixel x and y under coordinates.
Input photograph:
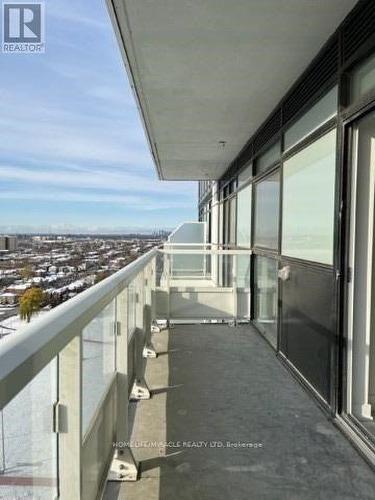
{"type": "Point", "coordinates": [207, 71]}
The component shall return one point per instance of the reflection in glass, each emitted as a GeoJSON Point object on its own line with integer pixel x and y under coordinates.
{"type": "Point", "coordinates": [243, 271]}
{"type": "Point", "coordinates": [268, 158]}
{"type": "Point", "coordinates": [266, 297]}
{"type": "Point", "coordinates": [320, 113]}
{"type": "Point", "coordinates": [98, 363]}
{"type": "Point", "coordinates": [245, 174]}
{"type": "Point", "coordinates": [363, 79]}
{"type": "Point", "coordinates": [308, 201]}
{"type": "Point", "coordinates": [244, 217]}
{"type": "Point", "coordinates": [267, 212]}
{"type": "Point", "coordinates": [28, 446]}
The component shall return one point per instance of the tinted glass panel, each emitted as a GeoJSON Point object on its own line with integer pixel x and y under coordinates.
{"type": "Point", "coordinates": [268, 158]}
{"type": "Point", "coordinates": [266, 297]}
{"type": "Point", "coordinates": [267, 212]}
{"type": "Point", "coordinates": [363, 79]}
{"type": "Point", "coordinates": [244, 217]}
{"type": "Point", "coordinates": [308, 323]}
{"type": "Point", "coordinates": [308, 201]}
{"type": "Point", "coordinates": [245, 175]}
{"type": "Point", "coordinates": [321, 112]}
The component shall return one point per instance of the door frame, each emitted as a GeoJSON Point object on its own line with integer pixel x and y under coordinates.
{"type": "Point", "coordinates": [346, 148]}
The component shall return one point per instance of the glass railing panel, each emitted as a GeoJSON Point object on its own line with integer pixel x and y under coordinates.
{"type": "Point", "coordinates": [190, 265]}
{"type": "Point", "coordinates": [205, 284]}
{"type": "Point", "coordinates": [28, 445]}
{"type": "Point", "coordinates": [243, 276]}
{"type": "Point", "coordinates": [139, 300]}
{"type": "Point", "coordinates": [98, 361]}
{"type": "Point", "coordinates": [131, 308]}
{"type": "Point", "coordinates": [266, 283]}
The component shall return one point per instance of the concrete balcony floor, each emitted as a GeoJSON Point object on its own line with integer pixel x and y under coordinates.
{"type": "Point", "coordinates": [216, 383]}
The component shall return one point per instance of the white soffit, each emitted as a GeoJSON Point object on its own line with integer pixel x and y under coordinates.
{"type": "Point", "coordinates": [207, 71]}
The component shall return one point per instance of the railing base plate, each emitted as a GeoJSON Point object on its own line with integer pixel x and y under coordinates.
{"type": "Point", "coordinates": [124, 466]}
{"type": "Point", "coordinates": [139, 391]}
{"type": "Point", "coordinates": [149, 352]}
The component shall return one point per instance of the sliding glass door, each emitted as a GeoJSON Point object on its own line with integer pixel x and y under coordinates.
{"type": "Point", "coordinates": [360, 386]}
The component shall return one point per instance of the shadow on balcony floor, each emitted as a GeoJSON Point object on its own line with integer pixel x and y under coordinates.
{"type": "Point", "coordinates": [220, 384]}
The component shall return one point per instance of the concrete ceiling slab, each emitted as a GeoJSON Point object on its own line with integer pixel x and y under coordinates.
{"type": "Point", "coordinates": [208, 72]}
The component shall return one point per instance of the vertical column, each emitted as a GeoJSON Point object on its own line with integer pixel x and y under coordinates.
{"type": "Point", "coordinates": [68, 421]}
{"type": "Point", "coordinates": [214, 231]}
{"type": "Point", "coordinates": [234, 286]}
{"type": "Point", "coordinates": [168, 267]}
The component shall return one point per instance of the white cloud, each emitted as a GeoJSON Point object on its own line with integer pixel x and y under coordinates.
{"type": "Point", "coordinates": [91, 178]}
{"type": "Point", "coordinates": [130, 201]}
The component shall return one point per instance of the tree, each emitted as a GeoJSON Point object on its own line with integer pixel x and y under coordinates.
{"type": "Point", "coordinates": [27, 272]}
{"type": "Point", "coordinates": [102, 275]}
{"type": "Point", "coordinates": [31, 302]}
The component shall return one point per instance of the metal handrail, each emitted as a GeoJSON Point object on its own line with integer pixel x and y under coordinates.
{"type": "Point", "coordinates": [193, 251]}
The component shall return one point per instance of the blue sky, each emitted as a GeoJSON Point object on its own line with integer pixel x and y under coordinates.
{"type": "Point", "coordinates": [73, 153]}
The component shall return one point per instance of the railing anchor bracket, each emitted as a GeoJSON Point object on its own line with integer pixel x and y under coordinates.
{"type": "Point", "coordinates": [149, 352]}
{"type": "Point", "coordinates": [124, 467]}
{"type": "Point", "coordinates": [155, 329]}
{"type": "Point", "coordinates": [139, 391]}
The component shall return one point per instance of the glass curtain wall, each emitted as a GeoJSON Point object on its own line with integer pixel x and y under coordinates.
{"type": "Point", "coordinates": [266, 238]}
{"type": "Point", "coordinates": [309, 202]}
{"type": "Point", "coordinates": [265, 314]}
{"type": "Point", "coordinates": [266, 230]}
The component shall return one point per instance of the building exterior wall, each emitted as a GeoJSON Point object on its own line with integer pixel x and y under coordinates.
{"type": "Point", "coordinates": [296, 173]}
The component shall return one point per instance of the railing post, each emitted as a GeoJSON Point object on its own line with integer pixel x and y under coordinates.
{"type": "Point", "coordinates": [68, 420]}
{"type": "Point", "coordinates": [234, 287]}
{"type": "Point", "coordinates": [124, 466]}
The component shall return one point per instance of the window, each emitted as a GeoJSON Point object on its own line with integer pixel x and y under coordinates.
{"type": "Point", "coordinates": [363, 79]}
{"type": "Point", "coordinates": [244, 217]}
{"type": "Point", "coordinates": [308, 201]}
{"type": "Point", "coordinates": [230, 221]}
{"type": "Point", "coordinates": [268, 158]}
{"type": "Point", "coordinates": [267, 212]}
{"type": "Point", "coordinates": [245, 174]}
{"type": "Point", "coordinates": [320, 113]}
{"type": "Point", "coordinates": [266, 297]}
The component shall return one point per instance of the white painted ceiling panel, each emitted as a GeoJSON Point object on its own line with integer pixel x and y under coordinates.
{"type": "Point", "coordinates": [207, 71]}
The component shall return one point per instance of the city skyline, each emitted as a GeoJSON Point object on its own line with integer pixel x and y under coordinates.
{"type": "Point", "coordinates": [73, 151]}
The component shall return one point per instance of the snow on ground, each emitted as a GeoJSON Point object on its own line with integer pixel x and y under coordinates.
{"type": "Point", "coordinates": [28, 447]}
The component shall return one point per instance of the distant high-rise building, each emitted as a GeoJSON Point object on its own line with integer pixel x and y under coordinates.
{"type": "Point", "coordinates": [8, 243]}
{"type": "Point", "coordinates": [11, 243]}
{"type": "Point", "coordinates": [3, 242]}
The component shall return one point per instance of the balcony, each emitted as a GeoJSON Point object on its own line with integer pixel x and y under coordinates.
{"type": "Point", "coordinates": [215, 415]}
{"type": "Point", "coordinates": [214, 386]}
